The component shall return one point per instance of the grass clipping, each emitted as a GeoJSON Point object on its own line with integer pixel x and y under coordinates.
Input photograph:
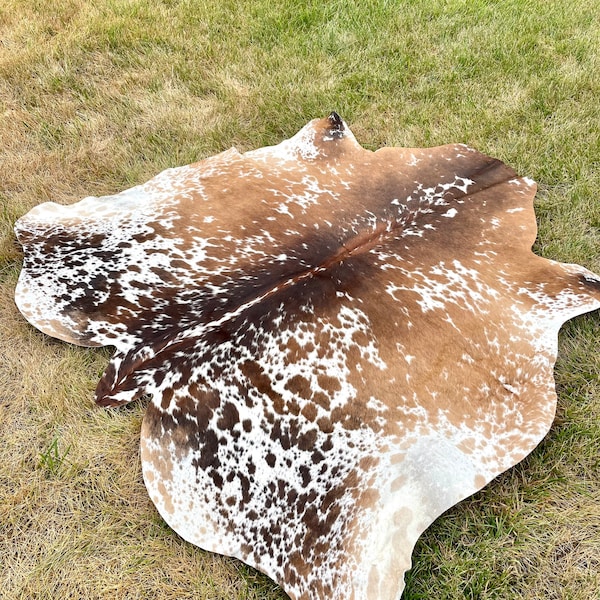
{"type": "Point", "coordinates": [98, 96]}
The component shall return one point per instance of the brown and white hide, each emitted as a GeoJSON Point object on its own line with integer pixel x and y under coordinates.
{"type": "Point", "coordinates": [339, 344]}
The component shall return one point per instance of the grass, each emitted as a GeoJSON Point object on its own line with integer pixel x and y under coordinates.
{"type": "Point", "coordinates": [96, 96]}
{"type": "Point", "coordinates": [53, 459]}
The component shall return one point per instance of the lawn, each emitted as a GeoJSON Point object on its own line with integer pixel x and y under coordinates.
{"type": "Point", "coordinates": [99, 95]}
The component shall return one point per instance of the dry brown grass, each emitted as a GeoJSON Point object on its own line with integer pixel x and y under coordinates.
{"type": "Point", "coordinates": [96, 96]}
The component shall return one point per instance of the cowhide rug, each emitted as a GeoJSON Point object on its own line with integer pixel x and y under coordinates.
{"type": "Point", "coordinates": [339, 344]}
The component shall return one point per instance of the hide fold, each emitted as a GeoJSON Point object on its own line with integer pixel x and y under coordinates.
{"type": "Point", "coordinates": [338, 344]}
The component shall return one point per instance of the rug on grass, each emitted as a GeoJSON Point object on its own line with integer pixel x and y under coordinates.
{"type": "Point", "coordinates": [338, 344]}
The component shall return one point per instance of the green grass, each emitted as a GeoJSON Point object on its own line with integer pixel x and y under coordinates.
{"type": "Point", "coordinates": [54, 460]}
{"type": "Point", "coordinates": [96, 96]}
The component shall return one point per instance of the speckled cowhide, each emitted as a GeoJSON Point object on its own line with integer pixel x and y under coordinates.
{"type": "Point", "coordinates": [339, 344]}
